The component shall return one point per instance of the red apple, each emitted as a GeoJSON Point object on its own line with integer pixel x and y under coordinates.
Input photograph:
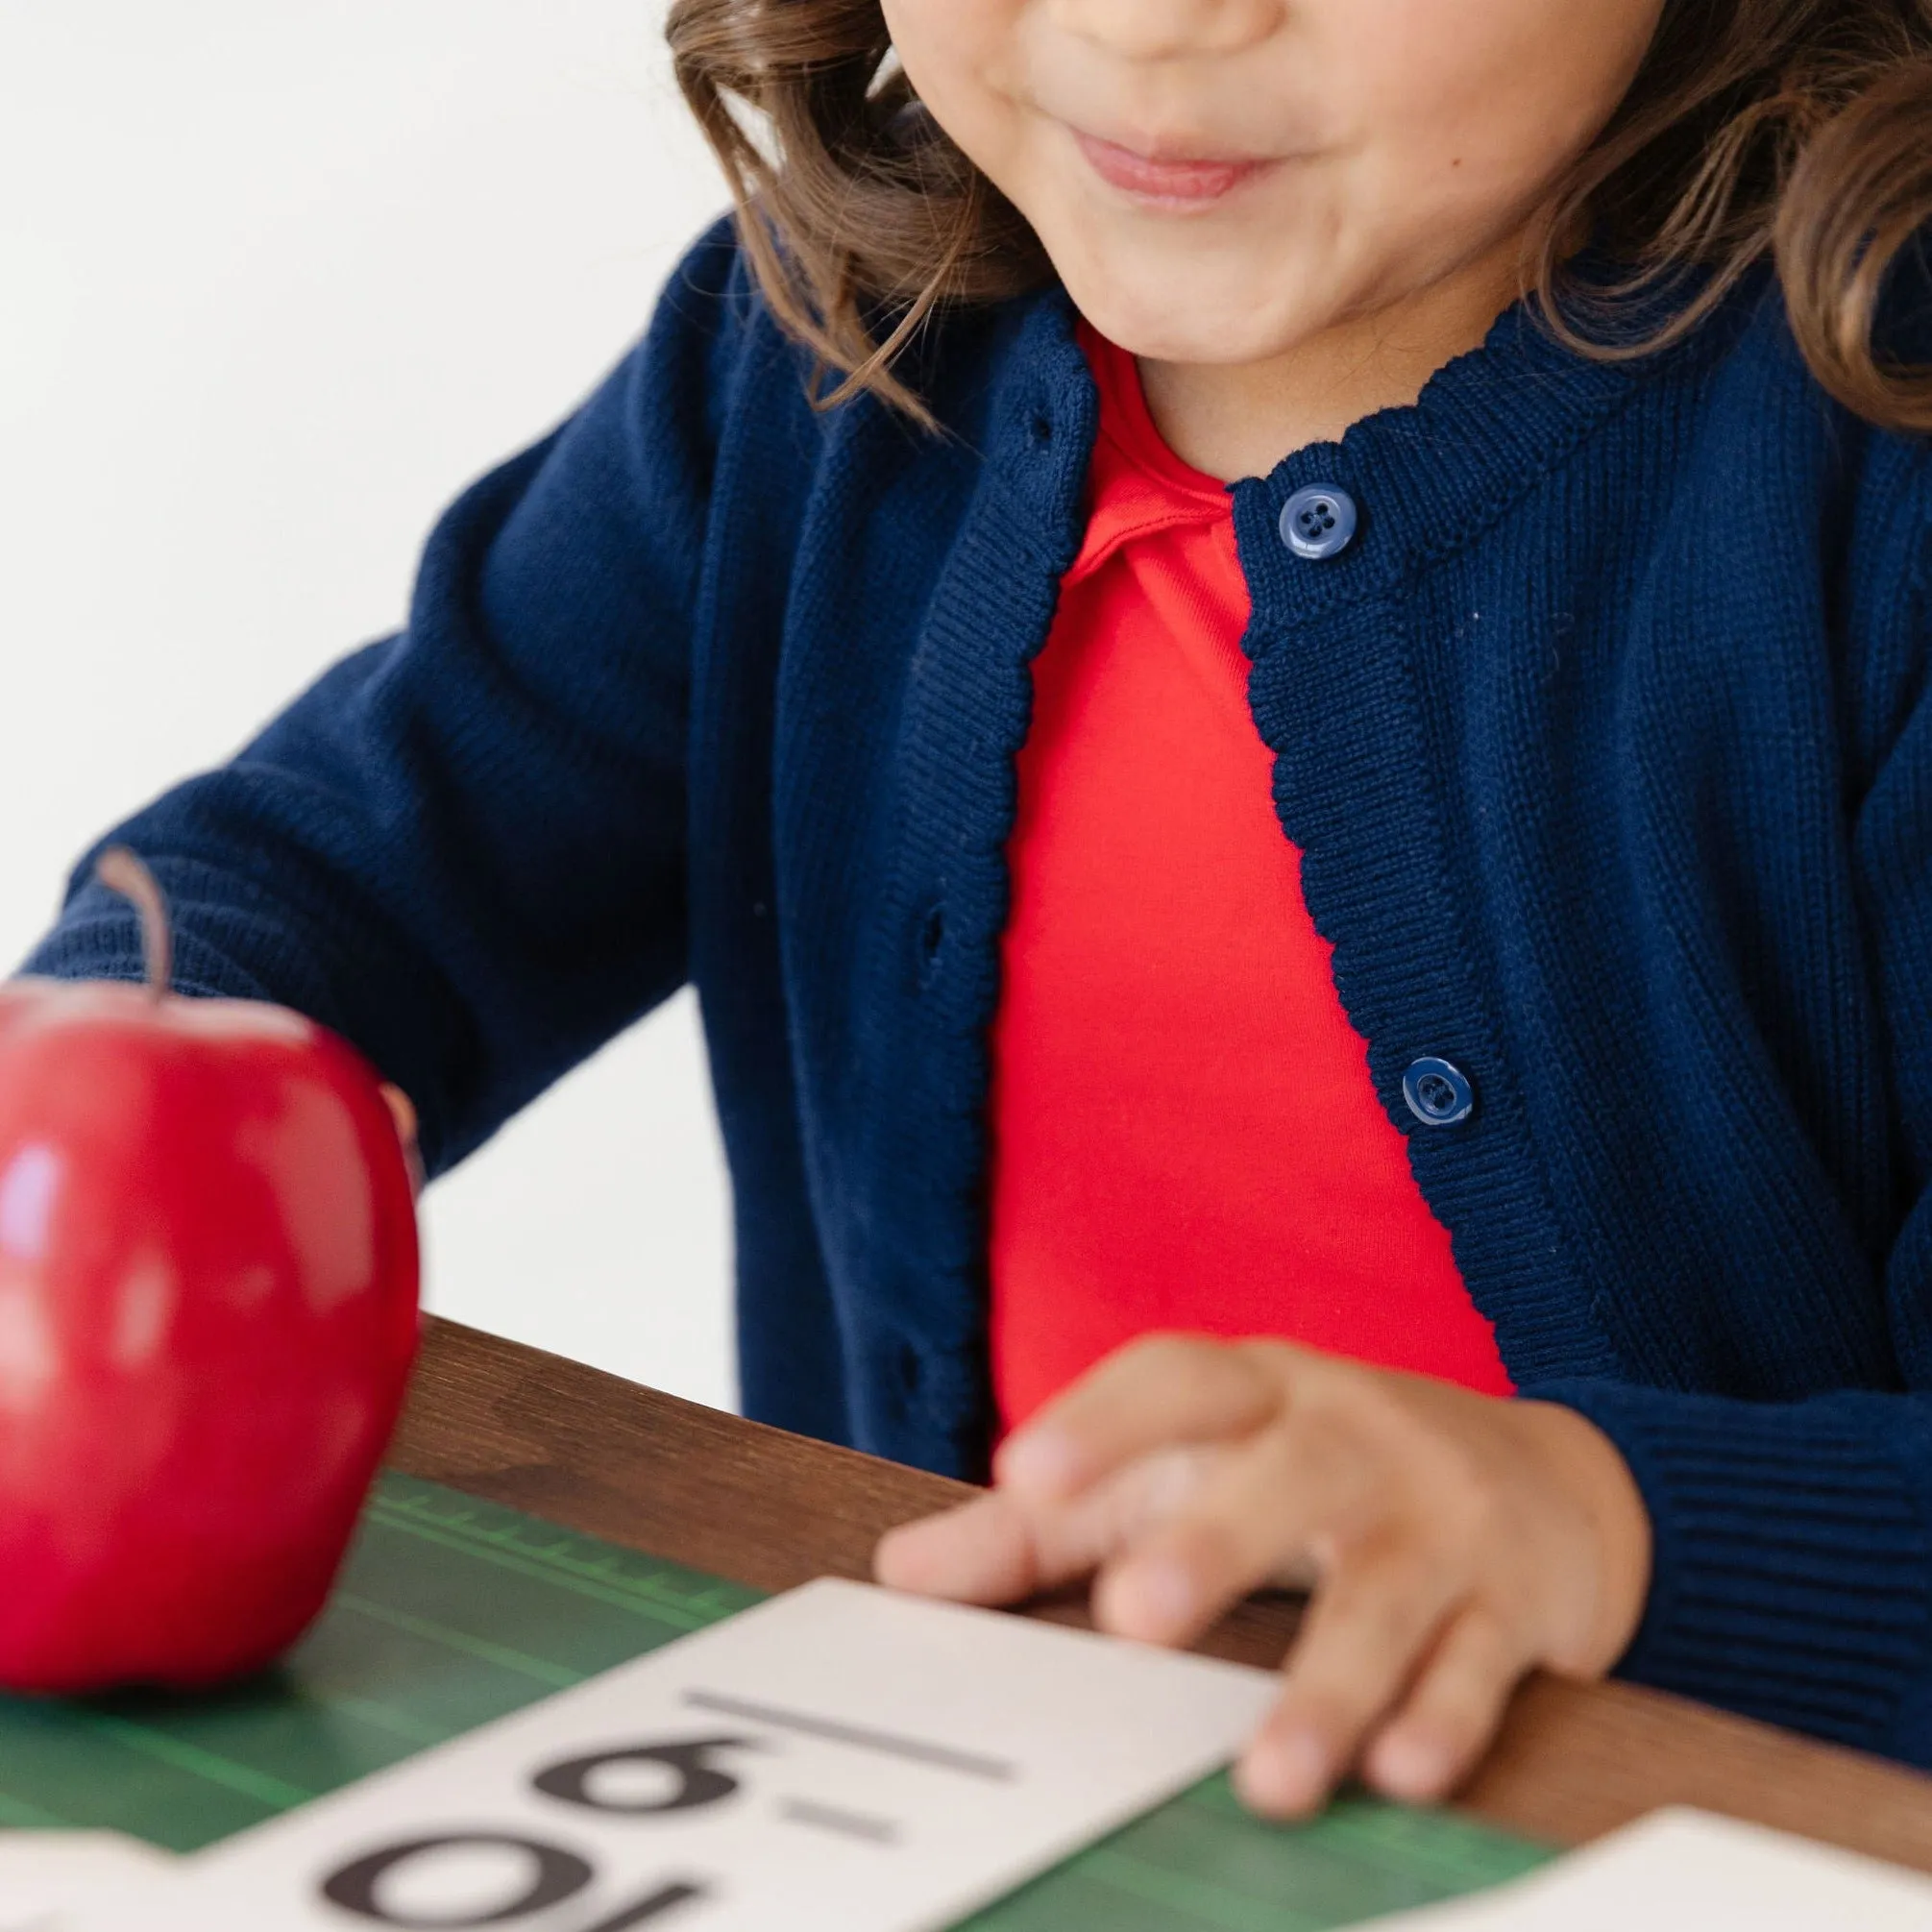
{"type": "Point", "coordinates": [207, 1315]}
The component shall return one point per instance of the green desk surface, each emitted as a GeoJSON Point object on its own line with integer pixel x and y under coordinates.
{"type": "Point", "coordinates": [451, 1612]}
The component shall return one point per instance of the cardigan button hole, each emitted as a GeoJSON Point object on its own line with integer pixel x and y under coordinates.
{"type": "Point", "coordinates": [912, 1368]}
{"type": "Point", "coordinates": [932, 938]}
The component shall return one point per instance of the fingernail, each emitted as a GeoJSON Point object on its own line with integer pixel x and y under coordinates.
{"type": "Point", "coordinates": [1402, 1765]}
{"type": "Point", "coordinates": [1157, 1598]}
{"type": "Point", "coordinates": [1285, 1772]}
{"type": "Point", "coordinates": [1043, 1461]}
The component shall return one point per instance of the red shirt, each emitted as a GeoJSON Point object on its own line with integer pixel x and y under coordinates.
{"type": "Point", "coordinates": [1184, 1134]}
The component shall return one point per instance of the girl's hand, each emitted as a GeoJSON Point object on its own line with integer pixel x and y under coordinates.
{"type": "Point", "coordinates": [1454, 1542]}
{"type": "Point", "coordinates": [403, 1111]}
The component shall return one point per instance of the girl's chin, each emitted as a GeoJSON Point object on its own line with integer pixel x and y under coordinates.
{"type": "Point", "coordinates": [1189, 315]}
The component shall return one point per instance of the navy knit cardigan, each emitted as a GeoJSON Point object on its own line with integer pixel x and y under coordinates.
{"type": "Point", "coordinates": [1608, 748]}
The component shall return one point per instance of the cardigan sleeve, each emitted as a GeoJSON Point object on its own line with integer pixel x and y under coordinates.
{"type": "Point", "coordinates": [1794, 1541]}
{"type": "Point", "coordinates": [463, 848]}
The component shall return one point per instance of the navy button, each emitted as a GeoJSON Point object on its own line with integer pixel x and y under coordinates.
{"type": "Point", "coordinates": [1438, 1094]}
{"type": "Point", "coordinates": [1318, 521]}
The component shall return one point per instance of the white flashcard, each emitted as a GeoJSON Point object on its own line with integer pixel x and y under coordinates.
{"type": "Point", "coordinates": [839, 1759]}
{"type": "Point", "coordinates": [45, 1876]}
{"type": "Point", "coordinates": [1684, 1871]}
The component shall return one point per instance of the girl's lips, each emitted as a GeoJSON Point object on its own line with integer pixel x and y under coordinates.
{"type": "Point", "coordinates": [1179, 182]}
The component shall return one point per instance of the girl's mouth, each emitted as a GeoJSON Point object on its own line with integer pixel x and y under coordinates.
{"type": "Point", "coordinates": [1173, 183]}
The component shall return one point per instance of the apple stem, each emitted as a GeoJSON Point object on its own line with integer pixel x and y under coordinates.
{"type": "Point", "coordinates": [121, 871]}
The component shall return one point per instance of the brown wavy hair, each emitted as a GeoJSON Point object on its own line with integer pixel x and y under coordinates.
{"type": "Point", "coordinates": [1795, 131]}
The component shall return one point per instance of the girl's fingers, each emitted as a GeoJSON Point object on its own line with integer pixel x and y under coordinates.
{"type": "Point", "coordinates": [1366, 1630]}
{"type": "Point", "coordinates": [402, 1113]}
{"type": "Point", "coordinates": [980, 1553]}
{"type": "Point", "coordinates": [1154, 1394]}
{"type": "Point", "coordinates": [1255, 1513]}
{"type": "Point", "coordinates": [401, 1110]}
{"type": "Point", "coordinates": [1427, 1747]}
{"type": "Point", "coordinates": [999, 1547]}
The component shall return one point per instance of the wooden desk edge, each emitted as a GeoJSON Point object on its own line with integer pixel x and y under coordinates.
{"type": "Point", "coordinates": [698, 1486]}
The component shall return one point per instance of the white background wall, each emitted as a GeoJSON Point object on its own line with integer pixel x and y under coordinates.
{"type": "Point", "coordinates": [277, 279]}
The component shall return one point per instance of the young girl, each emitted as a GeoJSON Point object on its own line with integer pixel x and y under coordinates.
{"type": "Point", "coordinates": [1375, 1023]}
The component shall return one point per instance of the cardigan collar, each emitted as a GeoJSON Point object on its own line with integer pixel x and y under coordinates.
{"type": "Point", "coordinates": [1427, 479]}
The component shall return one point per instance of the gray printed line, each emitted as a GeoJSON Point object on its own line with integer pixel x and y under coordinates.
{"type": "Point", "coordinates": [831, 1818]}
{"type": "Point", "coordinates": [944, 1758]}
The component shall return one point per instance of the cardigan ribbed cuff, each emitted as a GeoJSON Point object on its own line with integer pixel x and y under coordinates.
{"type": "Point", "coordinates": [1792, 1579]}
{"type": "Point", "coordinates": [109, 947]}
